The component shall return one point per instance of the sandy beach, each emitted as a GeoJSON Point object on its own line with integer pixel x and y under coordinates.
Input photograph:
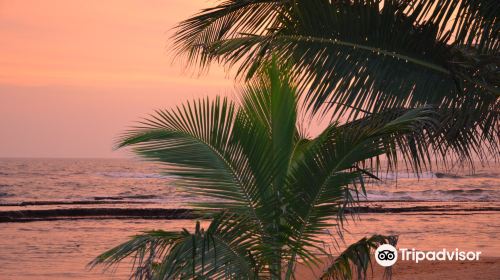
{"type": "Point", "coordinates": [487, 268]}
{"type": "Point", "coordinates": [71, 244]}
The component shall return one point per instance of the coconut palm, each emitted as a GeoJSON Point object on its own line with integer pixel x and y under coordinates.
{"type": "Point", "coordinates": [274, 191]}
{"type": "Point", "coordinates": [356, 57]}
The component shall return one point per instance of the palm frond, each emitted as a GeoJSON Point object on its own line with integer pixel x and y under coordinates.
{"type": "Point", "coordinates": [269, 104]}
{"type": "Point", "coordinates": [374, 55]}
{"type": "Point", "coordinates": [330, 175]}
{"type": "Point", "coordinates": [222, 251]}
{"type": "Point", "coordinates": [196, 142]}
{"type": "Point", "coordinates": [228, 18]}
{"type": "Point", "coordinates": [144, 249]}
{"type": "Point", "coordinates": [354, 261]}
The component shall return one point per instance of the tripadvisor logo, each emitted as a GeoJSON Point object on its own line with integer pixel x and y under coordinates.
{"type": "Point", "coordinates": [387, 255]}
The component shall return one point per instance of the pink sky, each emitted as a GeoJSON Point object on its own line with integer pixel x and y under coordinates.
{"type": "Point", "coordinates": [74, 74]}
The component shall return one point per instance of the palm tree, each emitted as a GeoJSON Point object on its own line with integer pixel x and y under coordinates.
{"type": "Point", "coordinates": [274, 191]}
{"type": "Point", "coordinates": [356, 57]}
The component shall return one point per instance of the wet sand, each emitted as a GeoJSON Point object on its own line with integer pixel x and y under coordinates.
{"type": "Point", "coordinates": [487, 268]}
{"type": "Point", "coordinates": [61, 249]}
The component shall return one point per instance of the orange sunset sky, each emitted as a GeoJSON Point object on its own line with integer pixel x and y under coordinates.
{"type": "Point", "coordinates": [74, 74]}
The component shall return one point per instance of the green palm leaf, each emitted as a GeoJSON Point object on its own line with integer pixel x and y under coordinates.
{"type": "Point", "coordinates": [195, 141]}
{"type": "Point", "coordinates": [355, 260]}
{"type": "Point", "coordinates": [221, 251]}
{"type": "Point", "coordinates": [330, 175]}
{"type": "Point", "coordinates": [369, 55]}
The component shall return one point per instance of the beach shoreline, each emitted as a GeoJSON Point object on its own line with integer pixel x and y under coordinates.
{"type": "Point", "coordinates": [75, 210]}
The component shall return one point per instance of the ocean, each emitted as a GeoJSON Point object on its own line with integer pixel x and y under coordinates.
{"type": "Point", "coordinates": [44, 234]}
